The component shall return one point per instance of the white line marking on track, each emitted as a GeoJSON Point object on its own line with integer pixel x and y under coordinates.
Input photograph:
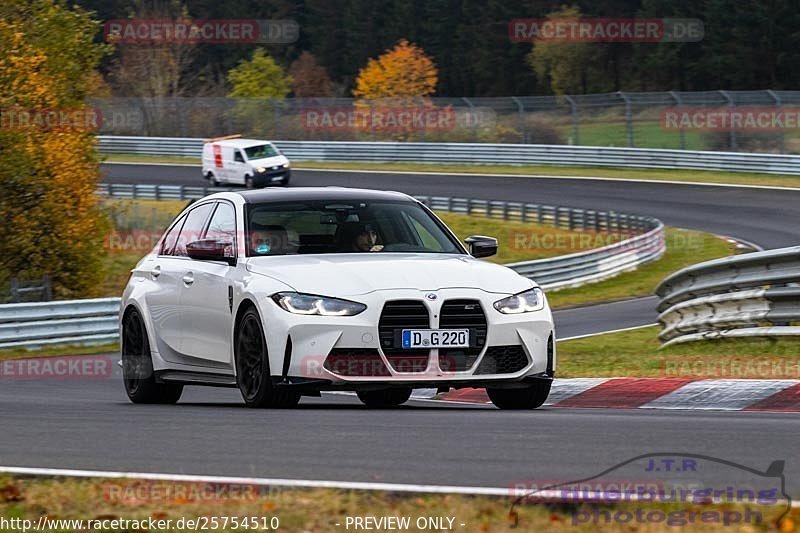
{"type": "Point", "coordinates": [510, 492]}
{"type": "Point", "coordinates": [228, 480]}
{"type": "Point", "coordinates": [605, 332]}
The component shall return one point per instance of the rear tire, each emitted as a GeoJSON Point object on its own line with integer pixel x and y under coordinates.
{"type": "Point", "coordinates": [530, 397]}
{"type": "Point", "coordinates": [384, 398]}
{"type": "Point", "coordinates": [137, 366]}
{"type": "Point", "coordinates": [252, 366]}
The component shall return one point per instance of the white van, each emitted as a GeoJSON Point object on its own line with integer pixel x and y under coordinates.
{"type": "Point", "coordinates": [244, 162]}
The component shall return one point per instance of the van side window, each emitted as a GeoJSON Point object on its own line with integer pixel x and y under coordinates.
{"type": "Point", "coordinates": [237, 156]}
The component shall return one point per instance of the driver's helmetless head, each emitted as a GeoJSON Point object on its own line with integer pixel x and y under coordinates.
{"type": "Point", "coordinates": [366, 239]}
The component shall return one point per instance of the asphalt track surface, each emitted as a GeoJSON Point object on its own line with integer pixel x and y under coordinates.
{"type": "Point", "coordinates": [88, 424]}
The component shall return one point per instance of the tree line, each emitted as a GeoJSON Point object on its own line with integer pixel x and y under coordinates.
{"type": "Point", "coordinates": [748, 44]}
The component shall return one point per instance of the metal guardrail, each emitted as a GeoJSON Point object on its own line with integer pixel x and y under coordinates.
{"type": "Point", "coordinates": [752, 295]}
{"type": "Point", "coordinates": [67, 322]}
{"type": "Point", "coordinates": [95, 321]}
{"type": "Point", "coordinates": [480, 153]}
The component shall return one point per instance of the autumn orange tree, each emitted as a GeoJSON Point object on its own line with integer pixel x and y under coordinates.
{"type": "Point", "coordinates": [403, 72]}
{"type": "Point", "coordinates": [401, 78]}
{"type": "Point", "coordinates": [51, 221]}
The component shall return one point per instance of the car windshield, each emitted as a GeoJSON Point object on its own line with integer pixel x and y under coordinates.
{"type": "Point", "coordinates": [261, 151]}
{"type": "Point", "coordinates": [343, 226]}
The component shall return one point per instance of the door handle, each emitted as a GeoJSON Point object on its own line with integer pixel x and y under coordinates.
{"type": "Point", "coordinates": [156, 271]}
{"type": "Point", "coordinates": [188, 278]}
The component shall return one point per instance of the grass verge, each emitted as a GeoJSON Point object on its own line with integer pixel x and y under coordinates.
{"type": "Point", "coordinates": [315, 510]}
{"type": "Point", "coordinates": [59, 350]}
{"type": "Point", "coordinates": [637, 353]}
{"type": "Point", "coordinates": [687, 176]}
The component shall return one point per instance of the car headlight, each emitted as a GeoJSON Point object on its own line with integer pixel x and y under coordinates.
{"type": "Point", "coordinates": [261, 170]}
{"type": "Point", "coordinates": [524, 302]}
{"type": "Point", "coordinates": [308, 304]}
{"type": "Point", "coordinates": [285, 165]}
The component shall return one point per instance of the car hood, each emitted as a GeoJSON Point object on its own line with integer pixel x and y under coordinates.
{"type": "Point", "coordinates": [353, 274]}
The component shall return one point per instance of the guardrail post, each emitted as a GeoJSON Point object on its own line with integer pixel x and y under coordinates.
{"type": "Point", "coordinates": [522, 129]}
{"type": "Point", "coordinates": [181, 192]}
{"type": "Point", "coordinates": [571, 219]}
{"type": "Point", "coordinates": [575, 120]}
{"type": "Point", "coordinates": [47, 289]}
{"type": "Point", "coordinates": [539, 214]}
{"type": "Point", "coordinates": [681, 131]}
{"type": "Point", "coordinates": [158, 192]}
{"type": "Point", "coordinates": [14, 291]}
{"type": "Point", "coordinates": [778, 105]}
{"type": "Point", "coordinates": [524, 212]}
{"type": "Point", "coordinates": [473, 119]}
{"type": "Point", "coordinates": [628, 119]}
{"type": "Point", "coordinates": [732, 133]}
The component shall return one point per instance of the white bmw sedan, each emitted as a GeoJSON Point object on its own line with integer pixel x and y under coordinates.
{"type": "Point", "coordinates": [290, 292]}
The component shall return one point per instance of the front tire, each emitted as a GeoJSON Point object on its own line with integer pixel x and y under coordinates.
{"type": "Point", "coordinates": [252, 366]}
{"type": "Point", "coordinates": [384, 398]}
{"type": "Point", "coordinates": [212, 180]}
{"type": "Point", "coordinates": [137, 366]}
{"type": "Point", "coordinates": [530, 397]}
{"type": "Point", "coordinates": [249, 183]}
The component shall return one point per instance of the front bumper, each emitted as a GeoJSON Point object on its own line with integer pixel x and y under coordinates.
{"type": "Point", "coordinates": [272, 177]}
{"type": "Point", "coordinates": [350, 351]}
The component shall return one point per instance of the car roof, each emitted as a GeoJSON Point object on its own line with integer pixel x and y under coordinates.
{"type": "Point", "coordinates": [240, 143]}
{"type": "Point", "coordinates": [319, 193]}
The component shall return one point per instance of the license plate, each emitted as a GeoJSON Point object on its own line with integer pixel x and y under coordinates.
{"type": "Point", "coordinates": [435, 338]}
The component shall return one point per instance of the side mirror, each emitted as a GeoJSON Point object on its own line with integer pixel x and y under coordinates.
{"type": "Point", "coordinates": [481, 246]}
{"type": "Point", "coordinates": [210, 250]}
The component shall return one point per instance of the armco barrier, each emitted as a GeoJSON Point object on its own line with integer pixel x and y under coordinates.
{"type": "Point", "coordinates": [68, 322]}
{"type": "Point", "coordinates": [95, 321]}
{"type": "Point", "coordinates": [751, 295]}
{"type": "Point", "coordinates": [479, 153]}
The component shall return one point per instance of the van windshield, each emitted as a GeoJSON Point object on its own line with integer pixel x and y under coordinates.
{"type": "Point", "coordinates": [261, 151]}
